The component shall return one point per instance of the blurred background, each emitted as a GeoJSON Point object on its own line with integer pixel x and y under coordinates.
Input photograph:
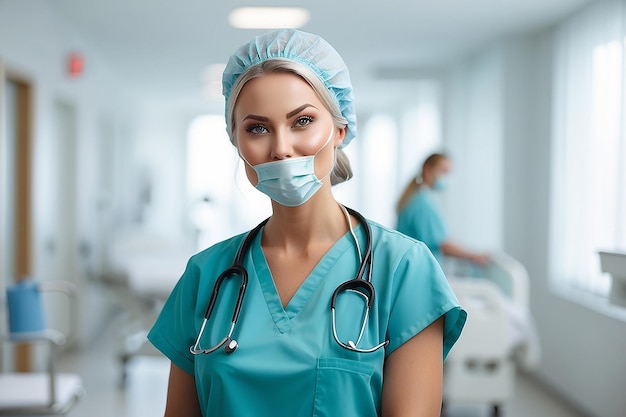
{"type": "Point", "coordinates": [115, 166]}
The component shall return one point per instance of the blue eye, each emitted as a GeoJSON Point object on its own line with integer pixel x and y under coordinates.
{"type": "Point", "coordinates": [256, 129]}
{"type": "Point", "coordinates": [303, 121]}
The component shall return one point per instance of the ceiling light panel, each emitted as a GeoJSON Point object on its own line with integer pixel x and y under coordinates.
{"type": "Point", "coordinates": [268, 17]}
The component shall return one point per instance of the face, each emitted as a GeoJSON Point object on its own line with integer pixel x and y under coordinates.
{"type": "Point", "coordinates": [440, 169]}
{"type": "Point", "coordinates": [279, 116]}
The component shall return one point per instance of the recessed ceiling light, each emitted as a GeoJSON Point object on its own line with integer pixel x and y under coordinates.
{"type": "Point", "coordinates": [268, 17]}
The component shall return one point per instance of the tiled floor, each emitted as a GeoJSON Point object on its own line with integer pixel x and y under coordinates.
{"type": "Point", "coordinates": [530, 400]}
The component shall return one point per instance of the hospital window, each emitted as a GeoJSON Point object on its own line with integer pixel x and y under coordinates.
{"type": "Point", "coordinates": [589, 168]}
{"type": "Point", "coordinates": [378, 177]}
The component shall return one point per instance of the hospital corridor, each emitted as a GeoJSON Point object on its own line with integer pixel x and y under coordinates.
{"type": "Point", "coordinates": [440, 178]}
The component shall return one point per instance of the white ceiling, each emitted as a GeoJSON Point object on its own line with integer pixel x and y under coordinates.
{"type": "Point", "coordinates": [161, 47]}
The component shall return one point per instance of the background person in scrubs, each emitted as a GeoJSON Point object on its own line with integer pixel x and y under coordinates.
{"type": "Point", "coordinates": [289, 111]}
{"type": "Point", "coordinates": [420, 218]}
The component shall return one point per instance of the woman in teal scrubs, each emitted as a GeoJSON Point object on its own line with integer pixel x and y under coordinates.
{"type": "Point", "coordinates": [420, 218]}
{"type": "Point", "coordinates": [289, 111]}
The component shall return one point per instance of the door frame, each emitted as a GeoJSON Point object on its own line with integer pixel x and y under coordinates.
{"type": "Point", "coordinates": [22, 186]}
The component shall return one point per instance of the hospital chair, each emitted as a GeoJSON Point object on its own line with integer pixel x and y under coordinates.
{"type": "Point", "coordinates": [37, 393]}
{"type": "Point", "coordinates": [499, 334]}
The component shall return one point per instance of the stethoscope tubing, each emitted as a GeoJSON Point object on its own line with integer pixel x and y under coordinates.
{"type": "Point", "coordinates": [361, 284]}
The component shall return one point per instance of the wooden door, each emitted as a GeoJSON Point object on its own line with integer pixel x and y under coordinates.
{"type": "Point", "coordinates": [16, 102]}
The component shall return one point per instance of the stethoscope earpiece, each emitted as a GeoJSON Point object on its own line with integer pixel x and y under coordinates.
{"type": "Point", "coordinates": [231, 346]}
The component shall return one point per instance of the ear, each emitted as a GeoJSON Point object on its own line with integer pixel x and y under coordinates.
{"type": "Point", "coordinates": [339, 136]}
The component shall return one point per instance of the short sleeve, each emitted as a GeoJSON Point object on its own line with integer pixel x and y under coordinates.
{"type": "Point", "coordinates": [174, 332]}
{"type": "Point", "coordinates": [420, 295]}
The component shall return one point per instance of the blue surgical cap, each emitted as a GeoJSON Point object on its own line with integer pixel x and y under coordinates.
{"type": "Point", "coordinates": [307, 49]}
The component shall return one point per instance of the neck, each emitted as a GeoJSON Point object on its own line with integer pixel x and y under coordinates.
{"type": "Point", "coordinates": [319, 220]}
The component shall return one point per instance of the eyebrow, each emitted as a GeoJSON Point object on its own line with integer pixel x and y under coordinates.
{"type": "Point", "coordinates": [287, 116]}
{"type": "Point", "coordinates": [298, 110]}
{"type": "Point", "coordinates": [255, 117]}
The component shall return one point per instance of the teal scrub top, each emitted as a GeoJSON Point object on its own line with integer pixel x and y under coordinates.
{"type": "Point", "coordinates": [288, 363]}
{"type": "Point", "coordinates": [421, 219]}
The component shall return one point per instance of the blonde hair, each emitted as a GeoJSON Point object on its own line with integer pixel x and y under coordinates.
{"type": "Point", "coordinates": [342, 170]}
{"type": "Point", "coordinates": [416, 182]}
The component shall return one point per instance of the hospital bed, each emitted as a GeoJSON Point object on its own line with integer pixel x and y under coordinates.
{"type": "Point", "coordinates": [142, 271]}
{"type": "Point", "coordinates": [499, 335]}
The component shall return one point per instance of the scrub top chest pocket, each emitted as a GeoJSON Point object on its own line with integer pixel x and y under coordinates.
{"type": "Point", "coordinates": [349, 379]}
{"type": "Point", "coordinates": [347, 384]}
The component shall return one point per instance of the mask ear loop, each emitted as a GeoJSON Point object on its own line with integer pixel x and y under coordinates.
{"type": "Point", "coordinates": [243, 158]}
{"type": "Point", "coordinates": [334, 156]}
{"type": "Point", "coordinates": [245, 161]}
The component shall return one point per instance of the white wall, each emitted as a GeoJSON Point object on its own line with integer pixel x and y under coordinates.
{"type": "Point", "coordinates": [473, 138]}
{"type": "Point", "coordinates": [583, 351]}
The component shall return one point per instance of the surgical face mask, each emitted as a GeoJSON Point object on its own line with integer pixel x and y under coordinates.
{"type": "Point", "coordinates": [441, 183]}
{"type": "Point", "coordinates": [290, 182]}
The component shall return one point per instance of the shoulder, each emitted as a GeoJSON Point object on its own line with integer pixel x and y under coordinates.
{"type": "Point", "coordinates": [420, 199]}
{"type": "Point", "coordinates": [424, 203]}
{"type": "Point", "coordinates": [217, 256]}
{"type": "Point", "coordinates": [424, 196]}
{"type": "Point", "coordinates": [398, 256]}
{"type": "Point", "coordinates": [394, 243]}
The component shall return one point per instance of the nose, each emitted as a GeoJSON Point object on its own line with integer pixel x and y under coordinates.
{"type": "Point", "coordinates": [282, 147]}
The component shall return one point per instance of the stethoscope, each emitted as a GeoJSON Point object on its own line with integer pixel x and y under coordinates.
{"type": "Point", "coordinates": [360, 285]}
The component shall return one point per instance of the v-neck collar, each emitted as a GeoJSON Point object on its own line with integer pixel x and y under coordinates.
{"type": "Point", "coordinates": [283, 317]}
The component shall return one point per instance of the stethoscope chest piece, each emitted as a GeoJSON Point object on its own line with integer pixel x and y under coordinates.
{"type": "Point", "coordinates": [231, 346]}
{"type": "Point", "coordinates": [235, 270]}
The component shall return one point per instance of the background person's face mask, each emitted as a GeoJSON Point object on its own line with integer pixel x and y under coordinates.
{"type": "Point", "coordinates": [290, 182]}
{"type": "Point", "coordinates": [441, 183]}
